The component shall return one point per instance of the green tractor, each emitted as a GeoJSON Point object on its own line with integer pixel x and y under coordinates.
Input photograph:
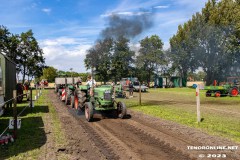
{"type": "Point", "coordinates": [231, 88]}
{"type": "Point", "coordinates": [103, 99]}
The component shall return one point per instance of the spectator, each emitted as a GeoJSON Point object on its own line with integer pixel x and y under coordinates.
{"type": "Point", "coordinates": [26, 85]}
{"type": "Point", "coordinates": [42, 84]}
{"type": "Point", "coordinates": [112, 84]}
{"type": "Point", "coordinates": [130, 89]}
{"type": "Point", "coordinates": [45, 83]}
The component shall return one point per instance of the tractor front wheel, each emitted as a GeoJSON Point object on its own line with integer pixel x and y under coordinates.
{"type": "Point", "coordinates": [121, 110]}
{"type": "Point", "coordinates": [89, 111]}
{"type": "Point", "coordinates": [234, 92]}
{"type": "Point", "coordinates": [217, 94]}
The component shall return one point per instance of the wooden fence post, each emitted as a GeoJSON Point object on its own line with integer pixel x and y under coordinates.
{"type": "Point", "coordinates": [198, 104]}
{"type": "Point", "coordinates": [31, 98]}
{"type": "Point", "coordinates": [15, 113]}
{"type": "Point", "coordinates": [140, 95]}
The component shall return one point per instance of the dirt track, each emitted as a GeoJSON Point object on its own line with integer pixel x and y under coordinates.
{"type": "Point", "coordinates": [136, 137]}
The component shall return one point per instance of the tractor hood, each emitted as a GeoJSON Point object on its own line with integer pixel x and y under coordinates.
{"type": "Point", "coordinates": [103, 88]}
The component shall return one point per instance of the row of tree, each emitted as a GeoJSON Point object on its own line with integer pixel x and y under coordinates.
{"type": "Point", "coordinates": [112, 58]}
{"type": "Point", "coordinates": [24, 50]}
{"type": "Point", "coordinates": [210, 41]}
{"type": "Point", "coordinates": [50, 73]}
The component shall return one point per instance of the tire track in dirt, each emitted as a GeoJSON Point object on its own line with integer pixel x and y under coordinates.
{"type": "Point", "coordinates": [100, 142]}
{"type": "Point", "coordinates": [110, 136]}
{"type": "Point", "coordinates": [79, 143]}
{"type": "Point", "coordinates": [120, 148]}
{"type": "Point", "coordinates": [138, 138]}
{"type": "Point", "coordinates": [188, 136]}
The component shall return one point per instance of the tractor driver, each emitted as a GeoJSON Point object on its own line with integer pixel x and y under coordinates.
{"type": "Point", "coordinates": [91, 82]}
{"type": "Point", "coordinates": [79, 82]}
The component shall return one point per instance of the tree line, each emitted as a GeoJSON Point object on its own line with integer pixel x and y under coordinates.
{"type": "Point", "coordinates": [50, 73]}
{"type": "Point", "coordinates": [209, 42]}
{"type": "Point", "coordinates": [24, 50]}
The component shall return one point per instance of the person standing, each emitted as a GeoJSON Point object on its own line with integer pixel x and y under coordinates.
{"type": "Point", "coordinates": [130, 90]}
{"type": "Point", "coordinates": [92, 83]}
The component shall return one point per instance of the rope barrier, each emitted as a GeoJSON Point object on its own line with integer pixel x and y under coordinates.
{"type": "Point", "coordinates": [12, 99]}
{"type": "Point", "coordinates": [19, 113]}
{"type": "Point", "coordinates": [22, 111]}
{"type": "Point", "coordinates": [4, 131]}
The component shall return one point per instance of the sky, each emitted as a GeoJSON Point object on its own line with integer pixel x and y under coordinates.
{"type": "Point", "coordinates": [66, 29]}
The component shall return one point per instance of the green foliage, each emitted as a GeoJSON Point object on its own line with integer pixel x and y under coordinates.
{"type": "Point", "coordinates": [61, 73]}
{"type": "Point", "coordinates": [31, 136]}
{"type": "Point", "coordinates": [24, 51]}
{"type": "Point", "coordinates": [99, 58]}
{"type": "Point", "coordinates": [49, 73]}
{"type": "Point", "coordinates": [209, 40]}
{"type": "Point", "coordinates": [4, 39]}
{"type": "Point", "coordinates": [110, 59]}
{"type": "Point", "coordinates": [122, 59]}
{"type": "Point", "coordinates": [199, 76]}
{"type": "Point", "coordinates": [151, 57]}
{"type": "Point", "coordinates": [32, 61]}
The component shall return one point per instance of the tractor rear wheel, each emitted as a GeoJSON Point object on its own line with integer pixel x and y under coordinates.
{"type": "Point", "coordinates": [234, 92]}
{"type": "Point", "coordinates": [68, 96]}
{"type": "Point", "coordinates": [89, 111]}
{"type": "Point", "coordinates": [121, 110]}
{"type": "Point", "coordinates": [208, 94]}
{"type": "Point", "coordinates": [80, 99]}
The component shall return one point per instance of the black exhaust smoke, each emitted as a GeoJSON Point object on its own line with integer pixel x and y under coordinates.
{"type": "Point", "coordinates": [127, 26]}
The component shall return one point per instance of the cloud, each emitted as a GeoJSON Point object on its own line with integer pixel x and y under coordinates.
{"type": "Point", "coordinates": [46, 10]}
{"type": "Point", "coordinates": [64, 52]}
{"type": "Point", "coordinates": [60, 41]}
{"type": "Point", "coordinates": [124, 14]}
{"type": "Point", "coordinates": [161, 7]}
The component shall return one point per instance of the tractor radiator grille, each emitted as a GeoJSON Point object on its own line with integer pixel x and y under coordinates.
{"type": "Point", "coordinates": [107, 96]}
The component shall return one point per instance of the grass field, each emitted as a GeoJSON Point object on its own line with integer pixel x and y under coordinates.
{"type": "Point", "coordinates": [31, 137]}
{"type": "Point", "coordinates": [220, 116]}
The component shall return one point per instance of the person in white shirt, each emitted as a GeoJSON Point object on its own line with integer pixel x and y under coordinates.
{"type": "Point", "coordinates": [91, 82]}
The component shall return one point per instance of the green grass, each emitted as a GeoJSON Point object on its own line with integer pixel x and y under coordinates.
{"type": "Point", "coordinates": [31, 137]}
{"type": "Point", "coordinates": [179, 105]}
